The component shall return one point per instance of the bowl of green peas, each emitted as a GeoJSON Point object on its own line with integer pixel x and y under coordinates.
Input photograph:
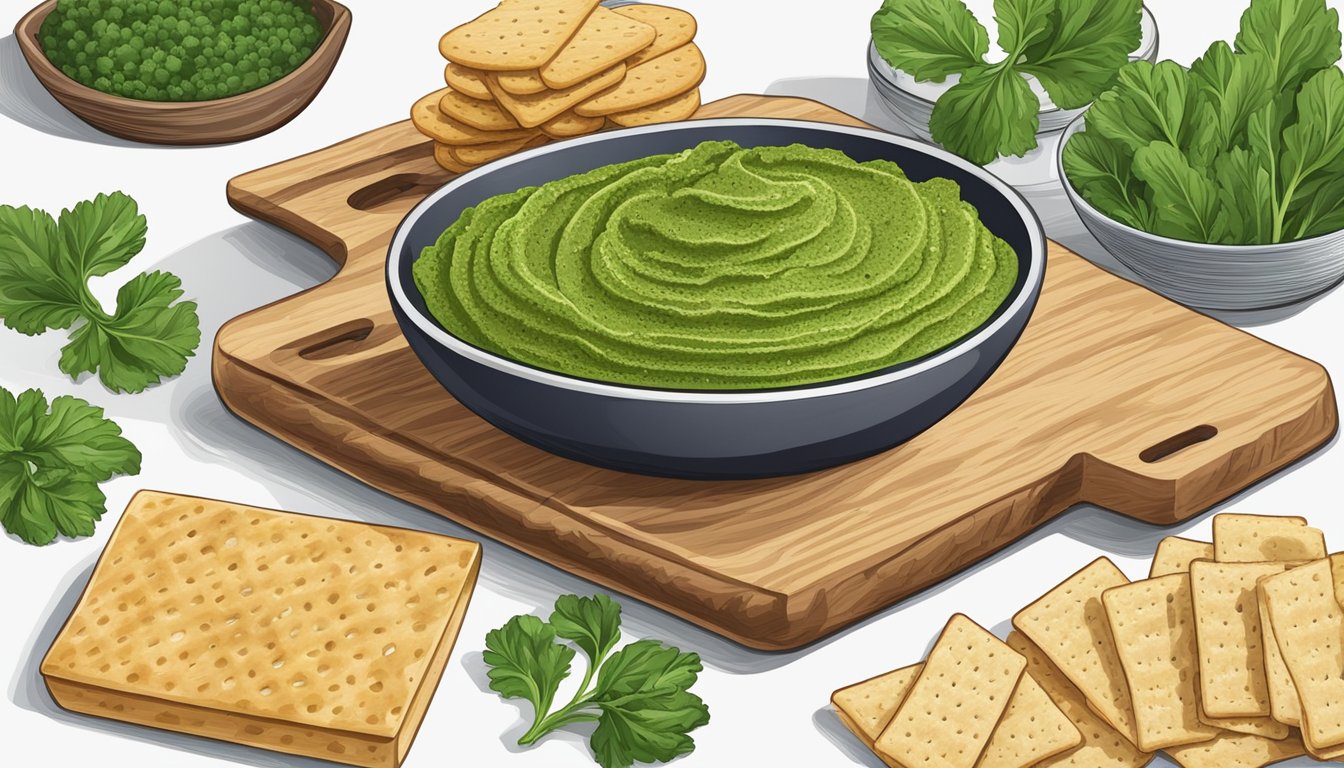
{"type": "Point", "coordinates": [186, 72]}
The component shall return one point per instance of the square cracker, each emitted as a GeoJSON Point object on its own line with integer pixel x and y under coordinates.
{"type": "Point", "coordinates": [1102, 746]}
{"type": "Point", "coordinates": [1155, 639]}
{"type": "Point", "coordinates": [534, 110]}
{"type": "Point", "coordinates": [671, 74]}
{"type": "Point", "coordinates": [675, 28]}
{"type": "Point", "coordinates": [1033, 729]}
{"type": "Point", "coordinates": [1174, 555]}
{"type": "Point", "coordinates": [516, 34]}
{"type": "Point", "coordinates": [1237, 750]}
{"type": "Point", "coordinates": [606, 38]}
{"type": "Point", "coordinates": [1262, 538]}
{"type": "Point", "coordinates": [956, 701]}
{"type": "Point", "coordinates": [304, 635]}
{"type": "Point", "coordinates": [1308, 623]}
{"type": "Point", "coordinates": [1283, 705]}
{"type": "Point", "coordinates": [430, 120]}
{"type": "Point", "coordinates": [1231, 649]}
{"type": "Point", "coordinates": [1070, 626]}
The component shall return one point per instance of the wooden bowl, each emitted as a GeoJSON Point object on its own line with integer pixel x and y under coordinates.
{"type": "Point", "coordinates": [218, 121]}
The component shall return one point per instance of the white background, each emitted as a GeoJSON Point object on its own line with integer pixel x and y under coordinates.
{"type": "Point", "coordinates": [768, 709]}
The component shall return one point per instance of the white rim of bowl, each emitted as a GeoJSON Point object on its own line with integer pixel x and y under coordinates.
{"type": "Point", "coordinates": [1221, 249]}
{"type": "Point", "coordinates": [966, 345]}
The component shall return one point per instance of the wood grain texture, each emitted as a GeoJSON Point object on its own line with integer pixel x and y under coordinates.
{"type": "Point", "coordinates": [218, 121]}
{"type": "Point", "coordinates": [1091, 406]}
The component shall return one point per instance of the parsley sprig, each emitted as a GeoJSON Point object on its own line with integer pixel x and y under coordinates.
{"type": "Point", "coordinates": [52, 458]}
{"type": "Point", "coordinates": [639, 695]}
{"type": "Point", "coordinates": [1074, 47]}
{"type": "Point", "coordinates": [45, 266]}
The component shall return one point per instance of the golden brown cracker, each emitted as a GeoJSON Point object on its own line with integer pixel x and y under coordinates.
{"type": "Point", "coordinates": [1283, 705]}
{"type": "Point", "coordinates": [1154, 636]}
{"type": "Point", "coordinates": [1231, 650]}
{"type": "Point", "coordinates": [676, 108]}
{"type": "Point", "coordinates": [481, 154]}
{"type": "Point", "coordinates": [674, 26]}
{"type": "Point", "coordinates": [671, 74]}
{"type": "Point", "coordinates": [1237, 750]}
{"type": "Point", "coordinates": [1308, 624]}
{"type": "Point", "coordinates": [567, 125]}
{"type": "Point", "coordinates": [532, 111]}
{"type": "Point", "coordinates": [443, 155]}
{"type": "Point", "coordinates": [516, 34]}
{"type": "Point", "coordinates": [1174, 555]}
{"type": "Point", "coordinates": [956, 701]}
{"type": "Point", "coordinates": [606, 38]}
{"type": "Point", "coordinates": [1102, 746]}
{"type": "Point", "coordinates": [523, 83]}
{"type": "Point", "coordinates": [1070, 626]}
{"type": "Point", "coordinates": [482, 115]}
{"type": "Point", "coordinates": [866, 708]}
{"type": "Point", "coordinates": [1032, 729]}
{"type": "Point", "coordinates": [300, 634]}
{"type": "Point", "coordinates": [430, 120]}
{"type": "Point", "coordinates": [1264, 538]}
{"type": "Point", "coordinates": [466, 80]}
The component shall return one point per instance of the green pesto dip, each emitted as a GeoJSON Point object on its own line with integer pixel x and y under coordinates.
{"type": "Point", "coordinates": [719, 268]}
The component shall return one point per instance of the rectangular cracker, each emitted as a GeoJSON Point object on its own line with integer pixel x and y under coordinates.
{"type": "Point", "coordinates": [606, 39]}
{"type": "Point", "coordinates": [1237, 750]}
{"type": "Point", "coordinates": [676, 108]}
{"type": "Point", "coordinates": [867, 707]}
{"type": "Point", "coordinates": [568, 124]}
{"type": "Point", "coordinates": [674, 26]}
{"type": "Point", "coordinates": [523, 83]}
{"type": "Point", "coordinates": [466, 80]}
{"type": "Point", "coordinates": [481, 154]}
{"type": "Point", "coordinates": [1308, 623]}
{"type": "Point", "coordinates": [300, 634]}
{"type": "Point", "coordinates": [955, 702]}
{"type": "Point", "coordinates": [534, 110]}
{"type": "Point", "coordinates": [1154, 638]}
{"type": "Point", "coordinates": [1070, 626]}
{"type": "Point", "coordinates": [1283, 705]}
{"type": "Point", "coordinates": [477, 113]}
{"type": "Point", "coordinates": [1102, 746]}
{"type": "Point", "coordinates": [655, 80]}
{"type": "Point", "coordinates": [1263, 538]}
{"type": "Point", "coordinates": [443, 155]}
{"type": "Point", "coordinates": [1174, 555]}
{"type": "Point", "coordinates": [1032, 729]}
{"type": "Point", "coordinates": [430, 120]}
{"type": "Point", "coordinates": [1231, 649]}
{"type": "Point", "coordinates": [516, 34]}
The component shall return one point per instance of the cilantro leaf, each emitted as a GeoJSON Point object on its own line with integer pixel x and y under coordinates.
{"type": "Point", "coordinates": [148, 339]}
{"type": "Point", "coordinates": [1296, 37]}
{"type": "Point", "coordinates": [1091, 40]}
{"type": "Point", "coordinates": [51, 461]}
{"type": "Point", "coordinates": [1022, 22]}
{"type": "Point", "coordinates": [1103, 172]}
{"type": "Point", "coordinates": [929, 39]}
{"type": "Point", "coordinates": [526, 662]}
{"type": "Point", "coordinates": [646, 665]}
{"type": "Point", "coordinates": [647, 712]}
{"type": "Point", "coordinates": [45, 266]}
{"type": "Point", "coordinates": [592, 623]}
{"type": "Point", "coordinates": [991, 112]}
{"type": "Point", "coordinates": [1185, 199]}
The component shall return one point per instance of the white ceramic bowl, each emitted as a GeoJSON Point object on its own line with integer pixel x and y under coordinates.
{"type": "Point", "coordinates": [1217, 277]}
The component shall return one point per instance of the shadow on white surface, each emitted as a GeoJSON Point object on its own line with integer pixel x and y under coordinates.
{"type": "Point", "coordinates": [24, 100]}
{"type": "Point", "coordinates": [575, 736]}
{"type": "Point", "coordinates": [828, 724]}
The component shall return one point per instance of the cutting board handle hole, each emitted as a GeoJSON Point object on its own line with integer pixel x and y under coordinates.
{"type": "Point", "coordinates": [334, 342]}
{"type": "Point", "coordinates": [392, 189]}
{"type": "Point", "coordinates": [1177, 443]}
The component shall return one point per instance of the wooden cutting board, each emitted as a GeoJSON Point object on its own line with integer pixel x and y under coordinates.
{"type": "Point", "coordinates": [1113, 396]}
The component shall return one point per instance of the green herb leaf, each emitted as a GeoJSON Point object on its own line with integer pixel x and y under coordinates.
{"type": "Point", "coordinates": [592, 623]}
{"type": "Point", "coordinates": [148, 339]}
{"type": "Point", "coordinates": [51, 461]}
{"type": "Point", "coordinates": [647, 712]}
{"type": "Point", "coordinates": [1149, 103]}
{"type": "Point", "coordinates": [929, 39]}
{"type": "Point", "coordinates": [1233, 86]}
{"type": "Point", "coordinates": [45, 266]}
{"type": "Point", "coordinates": [1185, 200]}
{"type": "Point", "coordinates": [1103, 172]}
{"type": "Point", "coordinates": [1022, 22]}
{"type": "Point", "coordinates": [1313, 149]}
{"type": "Point", "coordinates": [526, 662]}
{"type": "Point", "coordinates": [991, 112]}
{"type": "Point", "coordinates": [1090, 41]}
{"type": "Point", "coordinates": [1296, 37]}
{"type": "Point", "coordinates": [1246, 193]}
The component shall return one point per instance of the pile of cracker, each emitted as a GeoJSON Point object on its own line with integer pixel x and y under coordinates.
{"type": "Point", "coordinates": [1230, 655]}
{"type": "Point", "coordinates": [530, 71]}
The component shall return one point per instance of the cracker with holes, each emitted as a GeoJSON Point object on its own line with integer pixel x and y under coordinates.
{"type": "Point", "coordinates": [516, 34]}
{"type": "Point", "coordinates": [1231, 648]}
{"type": "Point", "coordinates": [674, 27]}
{"type": "Point", "coordinates": [1262, 538]}
{"type": "Point", "coordinates": [304, 635]}
{"type": "Point", "coordinates": [1237, 750]}
{"type": "Point", "coordinates": [866, 708]}
{"type": "Point", "coordinates": [606, 39]}
{"type": "Point", "coordinates": [1174, 555]}
{"type": "Point", "coordinates": [956, 701]}
{"type": "Point", "coordinates": [1283, 706]}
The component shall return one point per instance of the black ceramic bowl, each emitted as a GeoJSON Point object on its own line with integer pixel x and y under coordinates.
{"type": "Point", "coordinates": [712, 435]}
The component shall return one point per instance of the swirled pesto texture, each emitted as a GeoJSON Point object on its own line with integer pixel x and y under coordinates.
{"type": "Point", "coordinates": [719, 268]}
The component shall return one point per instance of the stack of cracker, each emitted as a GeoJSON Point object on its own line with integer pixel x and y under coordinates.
{"type": "Point", "coordinates": [530, 71]}
{"type": "Point", "coordinates": [1230, 655]}
{"type": "Point", "coordinates": [316, 637]}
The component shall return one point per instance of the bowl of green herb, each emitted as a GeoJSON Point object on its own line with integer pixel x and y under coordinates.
{"type": "Point", "coordinates": [932, 65]}
{"type": "Point", "coordinates": [1222, 185]}
{"type": "Point", "coordinates": [184, 71]}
